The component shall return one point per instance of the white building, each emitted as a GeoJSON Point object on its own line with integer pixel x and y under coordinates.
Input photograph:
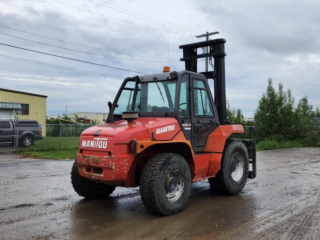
{"type": "Point", "coordinates": [98, 117]}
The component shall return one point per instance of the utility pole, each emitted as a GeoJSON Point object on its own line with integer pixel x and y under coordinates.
{"type": "Point", "coordinates": [207, 39]}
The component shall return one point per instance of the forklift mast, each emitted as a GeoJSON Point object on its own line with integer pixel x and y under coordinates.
{"type": "Point", "coordinates": [215, 50]}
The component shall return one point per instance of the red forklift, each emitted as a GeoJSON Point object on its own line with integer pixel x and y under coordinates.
{"type": "Point", "coordinates": [165, 131]}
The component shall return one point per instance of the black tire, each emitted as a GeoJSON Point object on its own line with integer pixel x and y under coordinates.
{"type": "Point", "coordinates": [27, 141]}
{"type": "Point", "coordinates": [233, 174]}
{"type": "Point", "coordinates": [165, 184]}
{"type": "Point", "coordinates": [89, 189]}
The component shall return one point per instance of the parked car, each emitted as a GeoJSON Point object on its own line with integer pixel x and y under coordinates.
{"type": "Point", "coordinates": [28, 131]}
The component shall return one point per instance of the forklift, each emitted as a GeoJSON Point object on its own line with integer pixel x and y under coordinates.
{"type": "Point", "coordinates": [165, 131]}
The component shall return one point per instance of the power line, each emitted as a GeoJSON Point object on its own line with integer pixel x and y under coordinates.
{"type": "Point", "coordinates": [54, 66]}
{"type": "Point", "coordinates": [148, 16]}
{"type": "Point", "coordinates": [130, 59]}
{"type": "Point", "coordinates": [77, 44]}
{"type": "Point", "coordinates": [73, 59]}
{"type": "Point", "coordinates": [85, 10]}
{"type": "Point", "coordinates": [144, 17]}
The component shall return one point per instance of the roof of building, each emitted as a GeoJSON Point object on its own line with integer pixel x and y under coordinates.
{"type": "Point", "coordinates": [88, 113]}
{"type": "Point", "coordinates": [26, 93]}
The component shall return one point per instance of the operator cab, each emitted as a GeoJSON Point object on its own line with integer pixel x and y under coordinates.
{"type": "Point", "coordinates": [183, 95]}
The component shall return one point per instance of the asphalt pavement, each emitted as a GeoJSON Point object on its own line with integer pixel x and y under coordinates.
{"type": "Point", "coordinates": [37, 201]}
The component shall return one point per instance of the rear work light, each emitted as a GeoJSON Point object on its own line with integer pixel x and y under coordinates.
{"type": "Point", "coordinates": [174, 75]}
{"type": "Point", "coordinates": [136, 79]}
{"type": "Point", "coordinates": [133, 146]}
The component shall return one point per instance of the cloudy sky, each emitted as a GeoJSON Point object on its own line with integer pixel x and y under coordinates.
{"type": "Point", "coordinates": [267, 38]}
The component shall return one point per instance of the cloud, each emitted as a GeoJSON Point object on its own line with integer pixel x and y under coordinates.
{"type": "Point", "coordinates": [277, 39]}
{"type": "Point", "coordinates": [268, 39]}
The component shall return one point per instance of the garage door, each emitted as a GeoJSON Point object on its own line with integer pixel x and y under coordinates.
{"type": "Point", "coordinates": [5, 113]}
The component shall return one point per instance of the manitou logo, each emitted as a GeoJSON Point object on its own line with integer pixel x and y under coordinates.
{"type": "Point", "coordinates": [95, 143]}
{"type": "Point", "coordinates": [165, 129]}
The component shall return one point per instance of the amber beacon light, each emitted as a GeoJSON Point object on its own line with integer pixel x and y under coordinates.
{"type": "Point", "coordinates": [166, 69]}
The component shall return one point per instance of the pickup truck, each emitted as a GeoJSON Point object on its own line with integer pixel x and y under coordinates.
{"type": "Point", "coordinates": [28, 131]}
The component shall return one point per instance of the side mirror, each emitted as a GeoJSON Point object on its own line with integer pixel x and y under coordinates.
{"type": "Point", "coordinates": [110, 118]}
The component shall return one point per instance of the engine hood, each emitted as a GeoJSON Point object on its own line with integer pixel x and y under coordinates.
{"type": "Point", "coordinates": [142, 129]}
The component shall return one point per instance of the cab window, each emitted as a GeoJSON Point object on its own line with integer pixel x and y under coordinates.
{"type": "Point", "coordinates": [156, 96]}
{"type": "Point", "coordinates": [201, 101]}
{"type": "Point", "coordinates": [184, 97]}
{"type": "Point", "coordinates": [125, 100]}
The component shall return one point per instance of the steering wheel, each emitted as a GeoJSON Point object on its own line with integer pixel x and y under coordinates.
{"type": "Point", "coordinates": [183, 112]}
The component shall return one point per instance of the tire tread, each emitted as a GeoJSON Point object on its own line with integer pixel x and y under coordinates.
{"type": "Point", "coordinates": [220, 182]}
{"type": "Point", "coordinates": [148, 185]}
{"type": "Point", "coordinates": [86, 188]}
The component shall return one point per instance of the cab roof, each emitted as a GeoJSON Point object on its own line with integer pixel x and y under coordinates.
{"type": "Point", "coordinates": [163, 76]}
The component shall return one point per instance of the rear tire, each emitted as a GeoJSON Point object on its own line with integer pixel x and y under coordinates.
{"type": "Point", "coordinates": [233, 174]}
{"type": "Point", "coordinates": [165, 184]}
{"type": "Point", "coordinates": [89, 189]}
{"type": "Point", "coordinates": [27, 141]}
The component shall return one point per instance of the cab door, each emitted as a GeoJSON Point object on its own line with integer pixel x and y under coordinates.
{"type": "Point", "coordinates": [6, 132]}
{"type": "Point", "coordinates": [184, 106]}
{"type": "Point", "coordinates": [204, 118]}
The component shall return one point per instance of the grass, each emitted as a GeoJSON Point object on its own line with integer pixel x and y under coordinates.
{"type": "Point", "coordinates": [272, 144]}
{"type": "Point", "coordinates": [52, 148]}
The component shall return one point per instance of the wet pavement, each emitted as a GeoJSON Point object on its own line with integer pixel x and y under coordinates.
{"type": "Point", "coordinates": [37, 201]}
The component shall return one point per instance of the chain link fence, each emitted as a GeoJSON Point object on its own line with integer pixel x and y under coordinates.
{"type": "Point", "coordinates": [59, 136]}
{"type": "Point", "coordinates": [66, 130]}
{"type": "Point", "coordinates": [63, 136]}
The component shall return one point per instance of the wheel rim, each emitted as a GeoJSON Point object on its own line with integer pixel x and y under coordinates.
{"type": "Point", "coordinates": [236, 166]}
{"type": "Point", "coordinates": [174, 185]}
{"type": "Point", "coordinates": [27, 141]}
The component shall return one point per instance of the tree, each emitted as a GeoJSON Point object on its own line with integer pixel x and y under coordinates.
{"type": "Point", "coordinates": [234, 116]}
{"type": "Point", "coordinates": [316, 125]}
{"type": "Point", "coordinates": [305, 117]}
{"type": "Point", "coordinates": [304, 111]}
{"type": "Point", "coordinates": [275, 113]}
{"type": "Point", "coordinates": [288, 124]}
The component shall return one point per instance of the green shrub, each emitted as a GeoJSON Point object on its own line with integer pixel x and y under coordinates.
{"type": "Point", "coordinates": [277, 138]}
{"type": "Point", "coordinates": [268, 144]}
{"type": "Point", "coordinates": [278, 142]}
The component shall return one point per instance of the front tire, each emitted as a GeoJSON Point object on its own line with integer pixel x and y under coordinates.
{"type": "Point", "coordinates": [233, 174]}
{"type": "Point", "coordinates": [165, 184]}
{"type": "Point", "coordinates": [89, 189]}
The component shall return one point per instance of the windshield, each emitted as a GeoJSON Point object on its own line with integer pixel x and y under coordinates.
{"type": "Point", "coordinates": [157, 96]}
